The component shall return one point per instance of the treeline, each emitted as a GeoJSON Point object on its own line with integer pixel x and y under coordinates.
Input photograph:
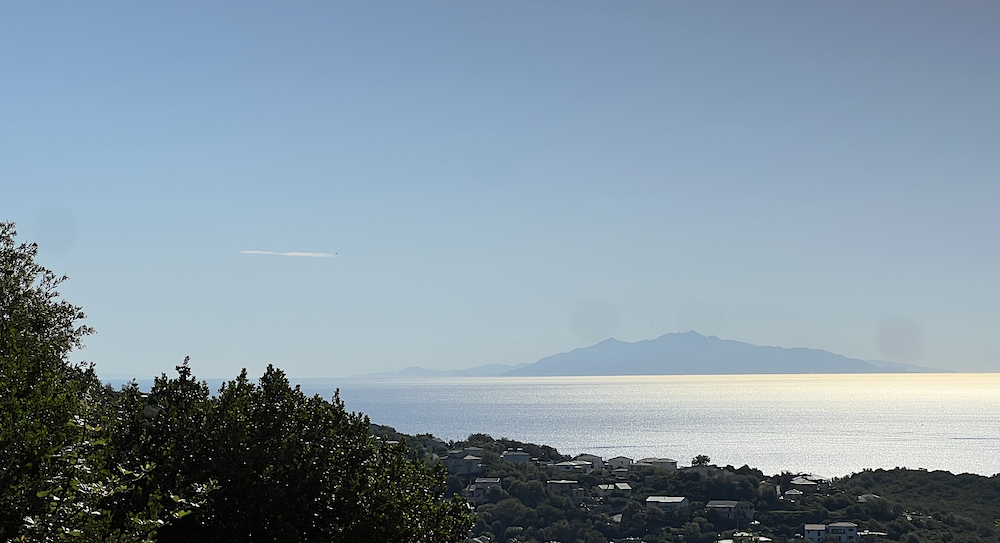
{"type": "Point", "coordinates": [256, 461]}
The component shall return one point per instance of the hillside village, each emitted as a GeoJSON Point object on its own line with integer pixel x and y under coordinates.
{"type": "Point", "coordinates": [524, 493]}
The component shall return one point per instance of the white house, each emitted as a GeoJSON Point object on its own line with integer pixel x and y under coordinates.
{"type": "Point", "coordinates": [596, 461]}
{"type": "Point", "coordinates": [518, 456]}
{"type": "Point", "coordinates": [465, 461]}
{"type": "Point", "coordinates": [575, 466]}
{"type": "Point", "coordinates": [809, 483]}
{"type": "Point", "coordinates": [614, 489]}
{"type": "Point", "coordinates": [668, 503]}
{"type": "Point", "coordinates": [843, 531]}
{"type": "Point", "coordinates": [619, 462]}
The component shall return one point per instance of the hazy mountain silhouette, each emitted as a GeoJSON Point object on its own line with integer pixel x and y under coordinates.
{"type": "Point", "coordinates": [688, 353]}
{"type": "Point", "coordinates": [691, 353]}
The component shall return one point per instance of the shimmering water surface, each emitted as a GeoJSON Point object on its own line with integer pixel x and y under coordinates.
{"type": "Point", "coordinates": [826, 424]}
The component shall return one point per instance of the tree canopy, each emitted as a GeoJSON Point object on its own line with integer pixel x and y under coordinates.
{"type": "Point", "coordinates": [257, 461]}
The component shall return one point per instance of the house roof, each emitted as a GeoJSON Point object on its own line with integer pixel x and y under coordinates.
{"type": "Point", "coordinates": [561, 482]}
{"type": "Point", "coordinates": [621, 458]}
{"type": "Point", "coordinates": [487, 479]}
{"type": "Point", "coordinates": [666, 499]}
{"type": "Point", "coordinates": [514, 453]}
{"type": "Point", "coordinates": [815, 527]}
{"type": "Point", "coordinates": [721, 503]}
{"type": "Point", "coordinates": [844, 525]}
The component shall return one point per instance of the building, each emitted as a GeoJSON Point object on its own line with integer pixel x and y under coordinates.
{"type": "Point", "coordinates": [804, 485]}
{"type": "Point", "coordinates": [793, 496]}
{"type": "Point", "coordinates": [614, 489]}
{"type": "Point", "coordinates": [476, 492]}
{"type": "Point", "coordinates": [467, 461]}
{"type": "Point", "coordinates": [435, 443]}
{"type": "Point", "coordinates": [574, 466]}
{"type": "Point", "coordinates": [814, 532]}
{"type": "Point", "coordinates": [732, 509]}
{"type": "Point", "coordinates": [660, 463]}
{"type": "Point", "coordinates": [596, 461]}
{"type": "Point", "coordinates": [809, 483]}
{"type": "Point", "coordinates": [842, 531]}
{"type": "Point", "coordinates": [619, 462]}
{"type": "Point", "coordinates": [518, 456]}
{"type": "Point", "coordinates": [668, 503]}
{"type": "Point", "coordinates": [707, 472]}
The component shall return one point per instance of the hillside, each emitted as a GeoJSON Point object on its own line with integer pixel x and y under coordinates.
{"type": "Point", "coordinates": [898, 505]}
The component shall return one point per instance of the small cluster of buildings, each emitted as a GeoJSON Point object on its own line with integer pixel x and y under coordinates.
{"type": "Point", "coordinates": [469, 461]}
{"type": "Point", "coordinates": [622, 466]}
{"type": "Point", "coordinates": [801, 485]}
{"type": "Point", "coordinates": [842, 531]}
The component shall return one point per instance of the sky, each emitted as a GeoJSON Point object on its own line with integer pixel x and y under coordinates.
{"type": "Point", "coordinates": [347, 188]}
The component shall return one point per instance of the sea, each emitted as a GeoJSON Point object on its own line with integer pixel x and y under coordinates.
{"type": "Point", "coordinates": [828, 425]}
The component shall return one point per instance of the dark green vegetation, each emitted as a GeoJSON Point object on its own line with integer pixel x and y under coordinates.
{"type": "Point", "coordinates": [909, 505]}
{"type": "Point", "coordinates": [259, 461]}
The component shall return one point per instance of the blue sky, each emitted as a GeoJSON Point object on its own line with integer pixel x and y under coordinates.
{"type": "Point", "coordinates": [498, 182]}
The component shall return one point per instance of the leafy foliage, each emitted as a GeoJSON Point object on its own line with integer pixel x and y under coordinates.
{"type": "Point", "coordinates": [256, 462]}
{"type": "Point", "coordinates": [40, 392]}
{"type": "Point", "coordinates": [288, 467]}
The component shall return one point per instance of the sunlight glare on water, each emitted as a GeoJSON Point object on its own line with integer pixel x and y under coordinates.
{"type": "Point", "coordinates": [826, 424]}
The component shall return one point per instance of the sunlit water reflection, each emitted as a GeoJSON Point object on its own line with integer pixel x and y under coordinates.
{"type": "Point", "coordinates": [826, 424]}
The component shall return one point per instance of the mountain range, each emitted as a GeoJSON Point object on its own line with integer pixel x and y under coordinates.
{"type": "Point", "coordinates": [687, 353]}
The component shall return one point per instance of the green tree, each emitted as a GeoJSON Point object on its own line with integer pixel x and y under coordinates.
{"type": "Point", "coordinates": [56, 482]}
{"type": "Point", "coordinates": [40, 391]}
{"type": "Point", "coordinates": [288, 467]}
{"type": "Point", "coordinates": [258, 462]}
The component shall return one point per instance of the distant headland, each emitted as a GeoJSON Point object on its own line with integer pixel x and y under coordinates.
{"type": "Point", "coordinates": [687, 353]}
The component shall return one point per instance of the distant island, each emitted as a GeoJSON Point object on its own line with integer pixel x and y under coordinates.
{"type": "Point", "coordinates": [687, 353]}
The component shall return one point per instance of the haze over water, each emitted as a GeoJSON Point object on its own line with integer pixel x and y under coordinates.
{"type": "Point", "coordinates": [830, 425]}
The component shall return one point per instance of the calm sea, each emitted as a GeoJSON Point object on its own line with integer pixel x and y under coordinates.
{"type": "Point", "coordinates": [831, 425]}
